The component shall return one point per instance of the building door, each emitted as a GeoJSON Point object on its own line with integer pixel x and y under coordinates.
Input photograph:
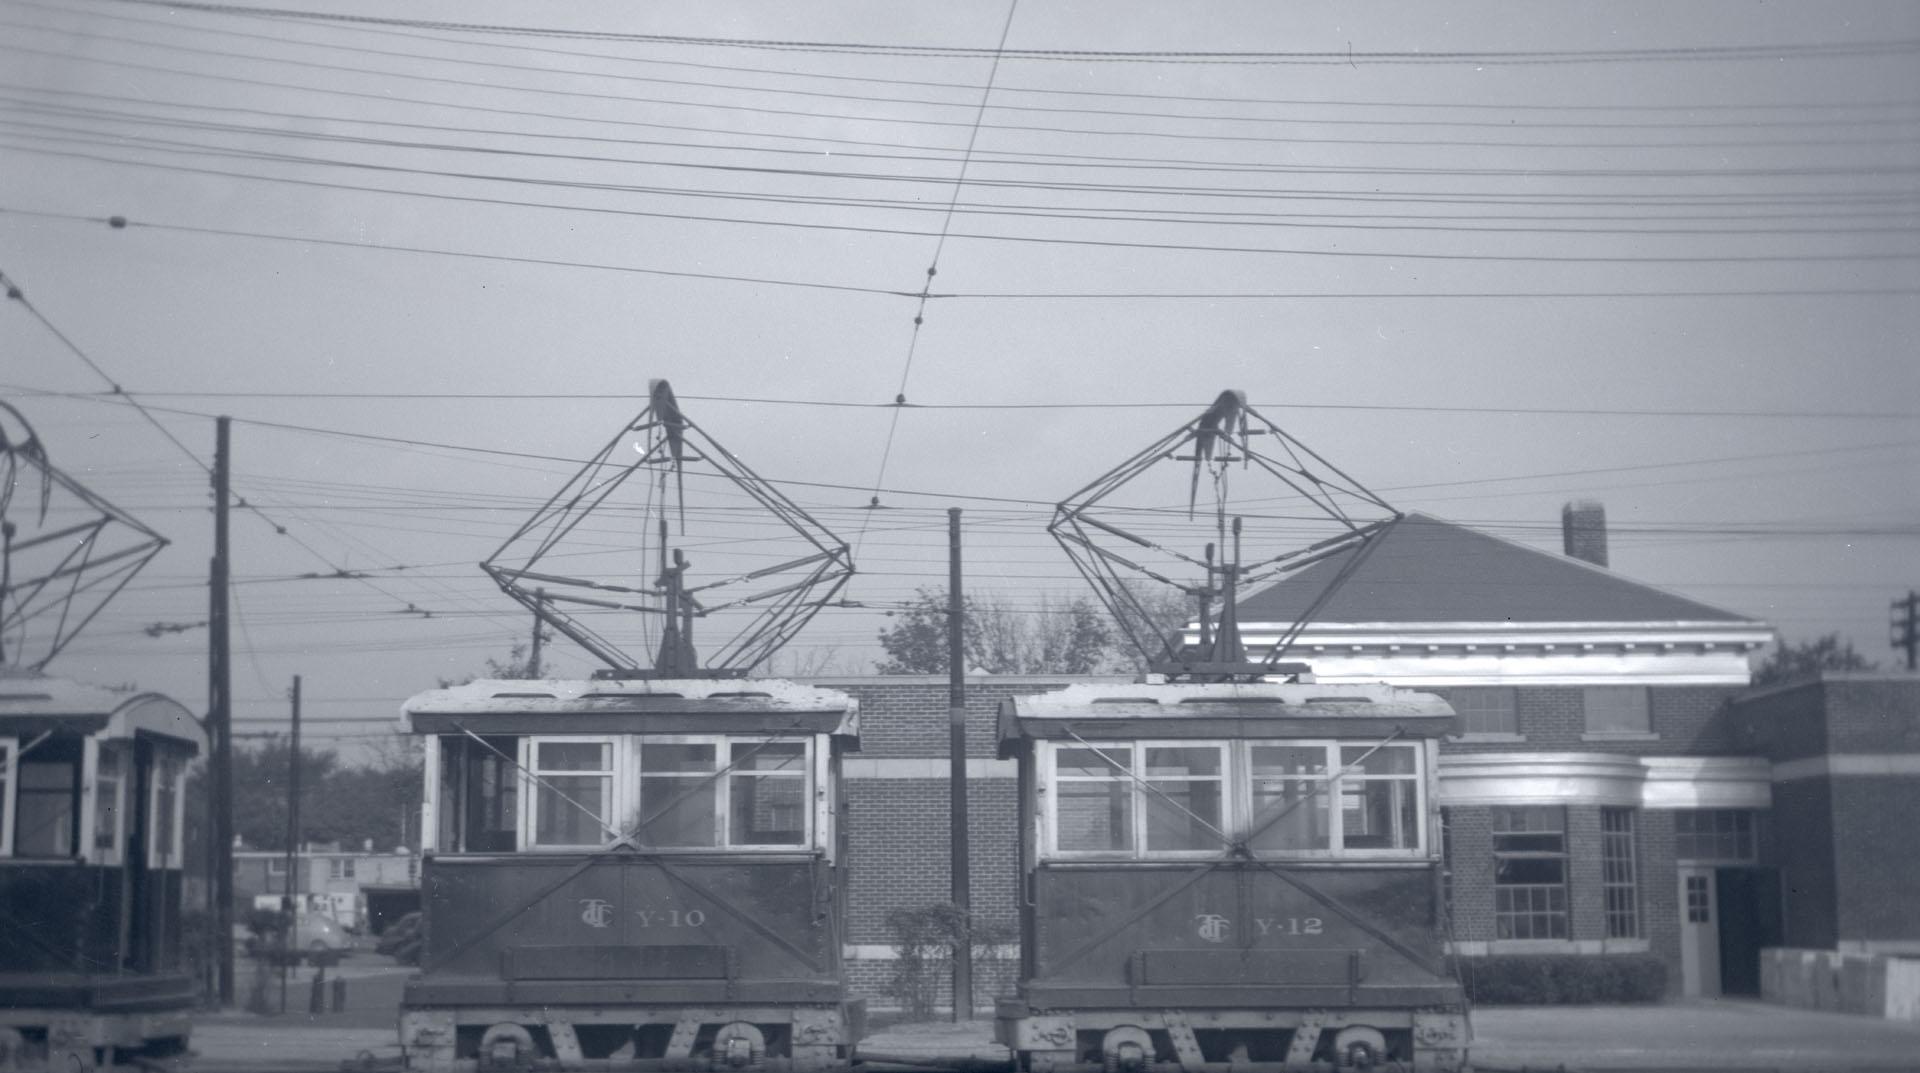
{"type": "Point", "coordinates": [1747, 902]}
{"type": "Point", "coordinates": [1699, 931]}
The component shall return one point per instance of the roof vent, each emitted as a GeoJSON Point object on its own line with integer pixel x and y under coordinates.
{"type": "Point", "coordinates": [636, 696]}
{"type": "Point", "coordinates": [745, 693]}
{"type": "Point", "coordinates": [523, 696]}
{"type": "Point", "coordinates": [1126, 700]}
{"type": "Point", "coordinates": [26, 696]}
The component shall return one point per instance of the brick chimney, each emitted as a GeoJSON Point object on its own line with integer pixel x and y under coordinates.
{"type": "Point", "coordinates": [1583, 530]}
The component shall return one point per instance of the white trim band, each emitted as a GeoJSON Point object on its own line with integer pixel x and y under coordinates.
{"type": "Point", "coordinates": [1611, 779]}
{"type": "Point", "coordinates": [1842, 764]}
{"type": "Point", "coordinates": [920, 767]}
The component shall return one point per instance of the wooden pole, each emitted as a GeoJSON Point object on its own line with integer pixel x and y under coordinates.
{"type": "Point", "coordinates": [957, 772]}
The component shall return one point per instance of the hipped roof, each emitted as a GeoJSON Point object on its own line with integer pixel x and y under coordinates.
{"type": "Point", "coordinates": [1426, 570]}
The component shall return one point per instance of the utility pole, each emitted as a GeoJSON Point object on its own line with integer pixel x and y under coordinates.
{"type": "Point", "coordinates": [220, 731]}
{"type": "Point", "coordinates": [1906, 627]}
{"type": "Point", "coordinates": [533, 661]}
{"type": "Point", "coordinates": [957, 772]}
{"type": "Point", "coordinates": [290, 903]}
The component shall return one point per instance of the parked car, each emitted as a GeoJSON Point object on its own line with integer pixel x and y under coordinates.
{"type": "Point", "coordinates": [401, 940]}
{"type": "Point", "coordinates": [315, 936]}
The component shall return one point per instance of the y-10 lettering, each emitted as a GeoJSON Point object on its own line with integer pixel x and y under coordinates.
{"type": "Point", "coordinates": [671, 918]}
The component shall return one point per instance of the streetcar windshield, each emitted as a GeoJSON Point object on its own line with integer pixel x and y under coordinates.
{"type": "Point", "coordinates": [532, 793]}
{"type": "Point", "coordinates": [1267, 798]}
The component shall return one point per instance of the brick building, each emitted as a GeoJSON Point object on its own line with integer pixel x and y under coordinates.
{"type": "Point", "coordinates": [1611, 792]}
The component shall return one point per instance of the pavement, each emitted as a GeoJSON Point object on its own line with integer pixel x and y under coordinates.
{"type": "Point", "coordinates": [1695, 1036]}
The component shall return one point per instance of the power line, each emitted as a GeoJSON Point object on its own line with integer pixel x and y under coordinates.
{"type": "Point", "coordinates": [1715, 53]}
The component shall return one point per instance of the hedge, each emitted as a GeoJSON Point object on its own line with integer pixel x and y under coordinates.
{"type": "Point", "coordinates": [1563, 979]}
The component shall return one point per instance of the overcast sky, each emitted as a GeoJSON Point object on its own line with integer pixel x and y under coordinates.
{"type": "Point", "coordinates": [1487, 258]}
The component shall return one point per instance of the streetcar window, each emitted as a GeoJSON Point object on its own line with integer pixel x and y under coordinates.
{"type": "Point", "coordinates": [1290, 801]}
{"type": "Point", "coordinates": [573, 791]}
{"type": "Point", "coordinates": [1182, 797]}
{"type": "Point", "coordinates": [678, 806]}
{"type": "Point", "coordinates": [478, 794]}
{"type": "Point", "coordinates": [47, 800]}
{"type": "Point", "coordinates": [1093, 801]}
{"type": "Point", "coordinates": [109, 774]}
{"type": "Point", "coordinates": [6, 779]}
{"type": "Point", "coordinates": [715, 791]}
{"type": "Point", "coordinates": [169, 778]}
{"type": "Point", "coordinates": [1379, 797]}
{"type": "Point", "coordinates": [767, 795]}
{"type": "Point", "coordinates": [1316, 798]}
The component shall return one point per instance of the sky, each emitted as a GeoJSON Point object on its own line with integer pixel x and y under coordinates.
{"type": "Point", "coordinates": [1486, 258]}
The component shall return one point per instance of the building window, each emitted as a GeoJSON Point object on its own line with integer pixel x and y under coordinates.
{"type": "Point", "coordinates": [1616, 710]}
{"type": "Point", "coordinates": [1698, 910]}
{"type": "Point", "coordinates": [573, 791]}
{"type": "Point", "coordinates": [1486, 709]}
{"type": "Point", "coordinates": [1530, 873]}
{"type": "Point", "coordinates": [276, 866]}
{"type": "Point", "coordinates": [1446, 869]}
{"type": "Point", "coordinates": [1619, 878]}
{"type": "Point", "coordinates": [413, 869]}
{"type": "Point", "coordinates": [340, 868]}
{"type": "Point", "coordinates": [1713, 834]}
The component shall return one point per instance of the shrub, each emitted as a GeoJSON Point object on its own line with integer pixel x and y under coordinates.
{"type": "Point", "coordinates": [1563, 979]}
{"type": "Point", "coordinates": [923, 941]}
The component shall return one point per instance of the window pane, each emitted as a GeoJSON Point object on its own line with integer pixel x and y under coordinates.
{"type": "Point", "coordinates": [1486, 709]}
{"type": "Point", "coordinates": [1290, 814]}
{"type": "Point", "coordinates": [574, 756]}
{"type": "Point", "coordinates": [574, 822]}
{"type": "Point", "coordinates": [1185, 818]}
{"type": "Point", "coordinates": [1088, 763]}
{"type": "Point", "coordinates": [47, 809]}
{"type": "Point", "coordinates": [666, 819]}
{"type": "Point", "coordinates": [790, 756]}
{"type": "Point", "coordinates": [1289, 760]}
{"type": "Point", "coordinates": [767, 811]}
{"type": "Point", "coordinates": [106, 798]}
{"type": "Point", "coordinates": [1390, 760]}
{"type": "Point", "coordinates": [1379, 814]}
{"type": "Point", "coordinates": [1190, 761]}
{"type": "Point", "coordinates": [1093, 816]}
{"type": "Point", "coordinates": [669, 757]}
{"type": "Point", "coordinates": [1616, 709]}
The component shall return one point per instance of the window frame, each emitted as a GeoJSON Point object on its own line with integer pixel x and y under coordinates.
{"type": "Point", "coordinates": [9, 749]}
{"type": "Point", "coordinates": [528, 804]}
{"type": "Point", "coordinates": [448, 792]}
{"type": "Point", "coordinates": [1644, 711]}
{"type": "Point", "coordinates": [1511, 710]}
{"type": "Point", "coordinates": [79, 835]}
{"type": "Point", "coordinates": [167, 785]}
{"type": "Point", "coordinates": [723, 748]}
{"type": "Point", "coordinates": [97, 751]}
{"type": "Point", "coordinates": [1237, 815]}
{"type": "Point", "coordinates": [1563, 856]}
{"type": "Point", "coordinates": [1745, 828]}
{"type": "Point", "coordinates": [1621, 922]}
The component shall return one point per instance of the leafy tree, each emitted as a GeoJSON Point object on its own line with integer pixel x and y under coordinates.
{"type": "Point", "coordinates": [1070, 638]}
{"type": "Point", "coordinates": [1828, 653]}
{"type": "Point", "coordinates": [518, 665]}
{"type": "Point", "coordinates": [349, 805]}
